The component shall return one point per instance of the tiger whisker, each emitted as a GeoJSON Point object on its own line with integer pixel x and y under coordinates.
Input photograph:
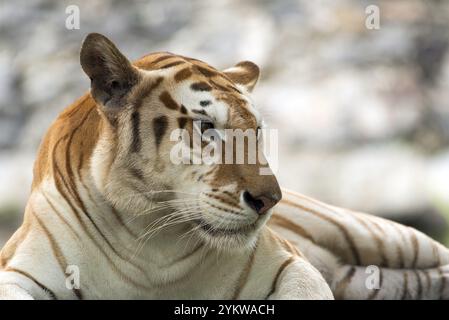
{"type": "Point", "coordinates": [172, 218]}
{"type": "Point", "coordinates": [170, 206]}
{"type": "Point", "coordinates": [177, 213]}
{"type": "Point", "coordinates": [148, 235]}
{"type": "Point", "coordinates": [159, 207]}
{"type": "Point", "coordinates": [144, 238]}
{"type": "Point", "coordinates": [152, 192]}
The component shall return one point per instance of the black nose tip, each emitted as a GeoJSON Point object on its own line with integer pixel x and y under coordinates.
{"type": "Point", "coordinates": [260, 204]}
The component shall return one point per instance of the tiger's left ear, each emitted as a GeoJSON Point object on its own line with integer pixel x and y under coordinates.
{"type": "Point", "coordinates": [112, 75]}
{"type": "Point", "coordinates": [245, 73]}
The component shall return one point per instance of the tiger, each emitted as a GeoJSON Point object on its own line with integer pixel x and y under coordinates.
{"type": "Point", "coordinates": [110, 216]}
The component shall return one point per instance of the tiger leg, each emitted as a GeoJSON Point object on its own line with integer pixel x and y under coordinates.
{"type": "Point", "coordinates": [13, 292]}
{"type": "Point", "coordinates": [301, 281]}
{"type": "Point", "coordinates": [19, 286]}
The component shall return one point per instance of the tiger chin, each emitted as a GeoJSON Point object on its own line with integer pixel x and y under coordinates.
{"type": "Point", "coordinates": [112, 215]}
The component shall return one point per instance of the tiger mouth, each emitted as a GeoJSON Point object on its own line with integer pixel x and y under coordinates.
{"type": "Point", "coordinates": [211, 230]}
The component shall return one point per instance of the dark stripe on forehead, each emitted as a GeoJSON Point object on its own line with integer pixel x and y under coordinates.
{"type": "Point", "coordinates": [219, 86]}
{"type": "Point", "coordinates": [172, 64]}
{"type": "Point", "coordinates": [168, 101]}
{"type": "Point", "coordinates": [201, 86]}
{"type": "Point", "coordinates": [159, 128]}
{"type": "Point", "coordinates": [192, 59]}
{"type": "Point", "coordinates": [183, 74]}
{"type": "Point", "coordinates": [206, 71]}
{"type": "Point", "coordinates": [144, 91]}
{"type": "Point", "coordinates": [234, 88]}
{"type": "Point", "coordinates": [162, 58]}
{"type": "Point", "coordinates": [135, 122]}
{"type": "Point", "coordinates": [183, 109]}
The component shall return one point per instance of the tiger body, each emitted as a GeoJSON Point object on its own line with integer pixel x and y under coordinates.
{"type": "Point", "coordinates": [106, 199]}
{"type": "Point", "coordinates": [167, 269]}
{"type": "Point", "coordinates": [343, 244]}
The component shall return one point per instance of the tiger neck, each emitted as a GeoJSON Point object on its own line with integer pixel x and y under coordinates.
{"type": "Point", "coordinates": [65, 177]}
{"type": "Point", "coordinates": [135, 231]}
{"type": "Point", "coordinates": [118, 235]}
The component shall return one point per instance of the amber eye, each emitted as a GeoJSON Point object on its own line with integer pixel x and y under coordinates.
{"type": "Point", "coordinates": [206, 125]}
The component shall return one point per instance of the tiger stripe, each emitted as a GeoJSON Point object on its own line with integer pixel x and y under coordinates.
{"type": "Point", "coordinates": [222, 200]}
{"type": "Point", "coordinates": [172, 64]}
{"type": "Point", "coordinates": [182, 122]}
{"type": "Point", "coordinates": [419, 284]}
{"type": "Point", "coordinates": [168, 101]}
{"type": "Point", "coordinates": [61, 217]}
{"type": "Point", "coordinates": [428, 280]}
{"type": "Point", "coordinates": [290, 225]}
{"type": "Point", "coordinates": [284, 265]}
{"type": "Point", "coordinates": [160, 125]}
{"type": "Point", "coordinates": [39, 284]}
{"type": "Point", "coordinates": [183, 74]}
{"type": "Point", "coordinates": [144, 92]}
{"type": "Point", "coordinates": [200, 86]}
{"type": "Point", "coordinates": [162, 58]}
{"type": "Point", "coordinates": [399, 248]}
{"type": "Point", "coordinates": [436, 254]}
{"type": "Point", "coordinates": [405, 286]}
{"type": "Point", "coordinates": [215, 206]}
{"type": "Point", "coordinates": [218, 86]}
{"type": "Point", "coordinates": [57, 253]}
{"type": "Point", "coordinates": [202, 112]}
{"type": "Point", "coordinates": [351, 243]}
{"type": "Point", "coordinates": [443, 283]}
{"type": "Point", "coordinates": [415, 245]}
{"type": "Point", "coordinates": [136, 144]}
{"type": "Point", "coordinates": [344, 282]}
{"type": "Point", "coordinates": [377, 239]}
{"type": "Point", "coordinates": [244, 274]}
{"type": "Point", "coordinates": [207, 72]}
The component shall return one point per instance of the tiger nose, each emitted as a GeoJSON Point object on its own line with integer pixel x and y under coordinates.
{"type": "Point", "coordinates": [261, 203]}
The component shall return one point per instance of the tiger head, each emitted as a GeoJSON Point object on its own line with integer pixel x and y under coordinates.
{"type": "Point", "coordinates": [141, 104]}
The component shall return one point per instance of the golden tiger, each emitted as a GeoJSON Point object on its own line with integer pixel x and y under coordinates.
{"type": "Point", "coordinates": [107, 201]}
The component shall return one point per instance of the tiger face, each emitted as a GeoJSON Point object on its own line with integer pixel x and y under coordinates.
{"type": "Point", "coordinates": [141, 105]}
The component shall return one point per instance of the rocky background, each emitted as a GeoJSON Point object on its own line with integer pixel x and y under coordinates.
{"type": "Point", "coordinates": [363, 115]}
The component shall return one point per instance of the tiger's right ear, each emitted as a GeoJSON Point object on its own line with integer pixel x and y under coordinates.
{"type": "Point", "coordinates": [111, 74]}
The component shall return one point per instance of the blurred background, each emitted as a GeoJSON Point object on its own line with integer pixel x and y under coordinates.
{"type": "Point", "coordinates": [363, 114]}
